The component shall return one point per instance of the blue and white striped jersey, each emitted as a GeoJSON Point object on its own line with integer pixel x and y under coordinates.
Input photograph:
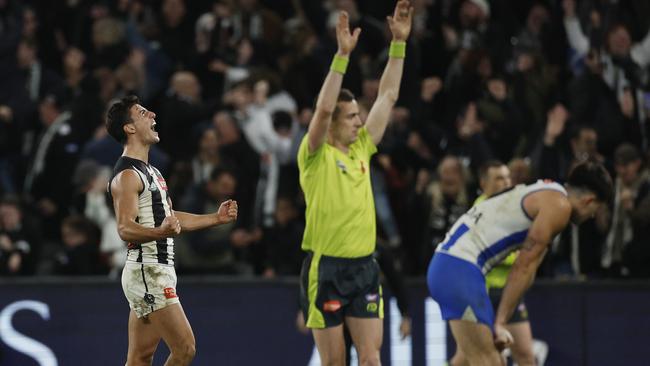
{"type": "Point", "coordinates": [494, 228]}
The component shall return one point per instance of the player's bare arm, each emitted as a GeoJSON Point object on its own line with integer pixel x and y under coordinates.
{"type": "Point", "coordinates": [226, 213]}
{"type": "Point", "coordinates": [552, 212]}
{"type": "Point", "coordinates": [125, 189]}
{"type": "Point", "coordinates": [329, 92]}
{"type": "Point", "coordinates": [400, 27]}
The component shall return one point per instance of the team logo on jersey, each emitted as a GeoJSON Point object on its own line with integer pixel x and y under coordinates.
{"type": "Point", "coordinates": [170, 292]}
{"type": "Point", "coordinates": [340, 164]}
{"type": "Point", "coordinates": [331, 306]}
{"type": "Point", "coordinates": [149, 299]}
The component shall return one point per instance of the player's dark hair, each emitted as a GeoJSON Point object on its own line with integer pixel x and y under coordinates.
{"type": "Point", "coordinates": [493, 163]}
{"type": "Point", "coordinates": [118, 115]}
{"type": "Point", "coordinates": [593, 177]}
{"type": "Point", "coordinates": [345, 95]}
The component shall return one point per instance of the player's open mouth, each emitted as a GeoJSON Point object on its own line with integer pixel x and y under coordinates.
{"type": "Point", "coordinates": [153, 126]}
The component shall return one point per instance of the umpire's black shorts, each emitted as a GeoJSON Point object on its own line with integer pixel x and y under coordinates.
{"type": "Point", "coordinates": [333, 288]}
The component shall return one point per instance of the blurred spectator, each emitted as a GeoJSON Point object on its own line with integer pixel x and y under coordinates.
{"type": "Point", "coordinates": [469, 141]}
{"type": "Point", "coordinates": [109, 43]}
{"type": "Point", "coordinates": [551, 158]}
{"type": "Point", "coordinates": [176, 32]}
{"type": "Point", "coordinates": [92, 201]}
{"type": "Point", "coordinates": [55, 155]}
{"type": "Point", "coordinates": [222, 249]}
{"type": "Point", "coordinates": [631, 179]}
{"type": "Point", "coordinates": [208, 156]}
{"type": "Point", "coordinates": [615, 76]}
{"type": "Point", "coordinates": [282, 241]}
{"type": "Point", "coordinates": [34, 78]}
{"type": "Point", "coordinates": [520, 171]}
{"type": "Point", "coordinates": [181, 112]}
{"type": "Point", "coordinates": [503, 121]}
{"type": "Point", "coordinates": [236, 149]}
{"type": "Point", "coordinates": [80, 254]}
{"type": "Point", "coordinates": [256, 123]}
{"type": "Point", "coordinates": [444, 200]}
{"type": "Point", "coordinates": [19, 239]}
{"type": "Point", "coordinates": [10, 139]}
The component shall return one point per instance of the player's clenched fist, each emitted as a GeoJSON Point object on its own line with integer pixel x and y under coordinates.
{"type": "Point", "coordinates": [502, 338]}
{"type": "Point", "coordinates": [171, 226]}
{"type": "Point", "coordinates": [227, 212]}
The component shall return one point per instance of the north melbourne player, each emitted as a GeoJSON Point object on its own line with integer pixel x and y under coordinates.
{"type": "Point", "coordinates": [526, 217]}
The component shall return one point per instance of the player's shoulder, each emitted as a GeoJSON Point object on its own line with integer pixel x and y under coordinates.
{"type": "Point", "coordinates": [126, 180]}
{"type": "Point", "coordinates": [546, 185]}
{"type": "Point", "coordinates": [552, 201]}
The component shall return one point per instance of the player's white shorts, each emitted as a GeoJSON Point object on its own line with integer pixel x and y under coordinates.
{"type": "Point", "coordinates": [149, 287]}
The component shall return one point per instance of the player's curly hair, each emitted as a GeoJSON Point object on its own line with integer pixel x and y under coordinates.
{"type": "Point", "coordinates": [118, 115]}
{"type": "Point", "coordinates": [593, 177]}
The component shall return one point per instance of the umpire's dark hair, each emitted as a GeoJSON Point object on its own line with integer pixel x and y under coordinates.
{"type": "Point", "coordinates": [492, 163]}
{"type": "Point", "coordinates": [345, 95]}
{"type": "Point", "coordinates": [592, 176]}
{"type": "Point", "coordinates": [118, 115]}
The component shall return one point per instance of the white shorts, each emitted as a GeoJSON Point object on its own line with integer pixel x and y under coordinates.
{"type": "Point", "coordinates": [149, 287]}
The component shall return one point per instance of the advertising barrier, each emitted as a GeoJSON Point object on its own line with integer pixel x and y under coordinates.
{"type": "Point", "coordinates": [52, 322]}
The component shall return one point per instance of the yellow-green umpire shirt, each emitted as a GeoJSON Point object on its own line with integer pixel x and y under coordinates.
{"type": "Point", "coordinates": [340, 210]}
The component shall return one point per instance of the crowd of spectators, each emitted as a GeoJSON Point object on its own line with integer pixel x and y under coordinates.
{"type": "Point", "coordinates": [539, 85]}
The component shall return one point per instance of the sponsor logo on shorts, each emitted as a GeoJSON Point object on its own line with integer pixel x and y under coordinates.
{"type": "Point", "coordinates": [331, 306]}
{"type": "Point", "coordinates": [149, 299]}
{"type": "Point", "coordinates": [372, 297]}
{"type": "Point", "coordinates": [372, 307]}
{"type": "Point", "coordinates": [170, 292]}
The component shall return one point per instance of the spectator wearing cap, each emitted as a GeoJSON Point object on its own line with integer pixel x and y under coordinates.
{"type": "Point", "coordinates": [52, 162]}
{"type": "Point", "coordinates": [631, 179]}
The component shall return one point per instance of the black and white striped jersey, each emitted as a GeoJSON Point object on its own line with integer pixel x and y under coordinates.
{"type": "Point", "coordinates": [154, 204]}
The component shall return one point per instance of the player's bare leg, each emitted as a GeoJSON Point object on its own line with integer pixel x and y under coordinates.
{"type": "Point", "coordinates": [175, 330]}
{"type": "Point", "coordinates": [522, 348]}
{"type": "Point", "coordinates": [477, 343]}
{"type": "Point", "coordinates": [143, 341]}
{"type": "Point", "coordinates": [459, 358]}
{"type": "Point", "coordinates": [331, 345]}
{"type": "Point", "coordinates": [367, 336]}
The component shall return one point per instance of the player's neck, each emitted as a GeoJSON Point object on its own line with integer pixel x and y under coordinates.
{"type": "Point", "coordinates": [140, 152]}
